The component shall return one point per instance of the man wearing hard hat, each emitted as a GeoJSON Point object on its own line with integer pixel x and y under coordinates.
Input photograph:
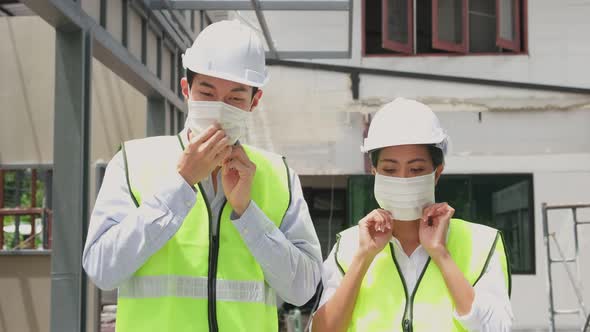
{"type": "Point", "coordinates": [410, 266]}
{"type": "Point", "coordinates": [199, 232]}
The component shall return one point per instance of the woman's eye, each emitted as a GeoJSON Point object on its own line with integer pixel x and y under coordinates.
{"type": "Point", "coordinates": [389, 170]}
{"type": "Point", "coordinates": [417, 170]}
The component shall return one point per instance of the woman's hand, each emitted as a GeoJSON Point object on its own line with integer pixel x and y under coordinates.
{"type": "Point", "coordinates": [375, 231]}
{"type": "Point", "coordinates": [433, 228]}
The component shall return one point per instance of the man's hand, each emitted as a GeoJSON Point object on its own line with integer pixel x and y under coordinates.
{"type": "Point", "coordinates": [204, 152]}
{"type": "Point", "coordinates": [236, 177]}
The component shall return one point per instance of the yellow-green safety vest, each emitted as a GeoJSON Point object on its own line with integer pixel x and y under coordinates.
{"type": "Point", "coordinates": [199, 281]}
{"type": "Point", "coordinates": [384, 303]}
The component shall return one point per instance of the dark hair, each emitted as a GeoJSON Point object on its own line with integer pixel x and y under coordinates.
{"type": "Point", "coordinates": [436, 155]}
{"type": "Point", "coordinates": [190, 76]}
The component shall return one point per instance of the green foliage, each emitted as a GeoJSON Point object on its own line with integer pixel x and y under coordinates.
{"type": "Point", "coordinates": [17, 193]}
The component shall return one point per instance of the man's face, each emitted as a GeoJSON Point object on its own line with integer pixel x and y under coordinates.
{"type": "Point", "coordinates": [208, 88]}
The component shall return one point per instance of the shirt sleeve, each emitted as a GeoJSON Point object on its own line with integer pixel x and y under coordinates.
{"type": "Point", "coordinates": [290, 256]}
{"type": "Point", "coordinates": [331, 278]}
{"type": "Point", "coordinates": [121, 236]}
{"type": "Point", "coordinates": [491, 310]}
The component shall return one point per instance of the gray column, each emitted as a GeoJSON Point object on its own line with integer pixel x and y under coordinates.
{"type": "Point", "coordinates": [156, 116]}
{"type": "Point", "coordinates": [73, 60]}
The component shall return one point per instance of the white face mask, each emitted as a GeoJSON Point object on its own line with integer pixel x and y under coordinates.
{"type": "Point", "coordinates": [405, 198]}
{"type": "Point", "coordinates": [202, 114]}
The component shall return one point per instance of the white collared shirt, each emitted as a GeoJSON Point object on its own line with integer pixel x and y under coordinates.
{"type": "Point", "coordinates": [121, 236]}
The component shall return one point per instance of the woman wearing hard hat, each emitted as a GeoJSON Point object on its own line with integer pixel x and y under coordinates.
{"type": "Point", "coordinates": [410, 266]}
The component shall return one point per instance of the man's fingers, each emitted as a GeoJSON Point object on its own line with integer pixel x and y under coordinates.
{"type": "Point", "coordinates": [240, 154]}
{"type": "Point", "coordinates": [204, 136]}
{"type": "Point", "coordinates": [222, 155]}
{"type": "Point", "coordinates": [219, 146]}
{"type": "Point", "coordinates": [237, 165]}
{"type": "Point", "coordinates": [208, 145]}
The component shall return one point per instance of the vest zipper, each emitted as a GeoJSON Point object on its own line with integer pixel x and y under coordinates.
{"type": "Point", "coordinates": [408, 310]}
{"type": "Point", "coordinates": [212, 267]}
{"type": "Point", "coordinates": [212, 277]}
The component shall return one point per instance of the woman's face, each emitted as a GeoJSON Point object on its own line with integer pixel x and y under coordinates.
{"type": "Point", "coordinates": [406, 161]}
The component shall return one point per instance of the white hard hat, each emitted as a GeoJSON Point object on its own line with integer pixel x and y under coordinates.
{"type": "Point", "coordinates": [403, 122]}
{"type": "Point", "coordinates": [229, 50]}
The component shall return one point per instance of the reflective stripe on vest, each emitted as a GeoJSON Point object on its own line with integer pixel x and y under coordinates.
{"type": "Point", "coordinates": [196, 287]}
{"type": "Point", "coordinates": [200, 281]}
{"type": "Point", "coordinates": [384, 302]}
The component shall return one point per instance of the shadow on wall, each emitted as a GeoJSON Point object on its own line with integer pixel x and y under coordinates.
{"type": "Point", "coordinates": [25, 285]}
{"type": "Point", "coordinates": [117, 109]}
{"type": "Point", "coordinates": [23, 86]}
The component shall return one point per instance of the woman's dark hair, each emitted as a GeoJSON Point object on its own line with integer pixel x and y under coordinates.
{"type": "Point", "coordinates": [436, 154]}
{"type": "Point", "coordinates": [190, 76]}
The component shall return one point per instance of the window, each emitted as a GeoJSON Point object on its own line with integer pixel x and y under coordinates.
{"type": "Point", "coordinates": [327, 209]}
{"type": "Point", "coordinates": [25, 208]}
{"type": "Point", "coordinates": [501, 201]}
{"type": "Point", "coordinates": [416, 27]}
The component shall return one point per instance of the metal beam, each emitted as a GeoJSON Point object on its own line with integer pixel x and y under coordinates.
{"type": "Point", "coordinates": [156, 117]}
{"type": "Point", "coordinates": [265, 31]}
{"type": "Point", "coordinates": [180, 21]}
{"type": "Point", "coordinates": [125, 23]}
{"type": "Point", "coordinates": [246, 5]}
{"type": "Point", "coordinates": [103, 13]}
{"type": "Point", "coordinates": [162, 22]}
{"type": "Point", "coordinates": [309, 55]}
{"type": "Point", "coordinates": [6, 12]}
{"type": "Point", "coordinates": [71, 155]}
{"type": "Point", "coordinates": [159, 47]}
{"type": "Point", "coordinates": [350, 19]}
{"type": "Point", "coordinates": [171, 30]}
{"type": "Point", "coordinates": [122, 62]}
{"type": "Point", "coordinates": [144, 31]}
{"type": "Point", "coordinates": [68, 15]}
{"type": "Point", "coordinates": [425, 76]}
{"type": "Point", "coordinates": [171, 120]}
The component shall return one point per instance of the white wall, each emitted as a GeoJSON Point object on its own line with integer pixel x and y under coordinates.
{"type": "Point", "coordinates": [305, 116]}
{"type": "Point", "coordinates": [26, 90]}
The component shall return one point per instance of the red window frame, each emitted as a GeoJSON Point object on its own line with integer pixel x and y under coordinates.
{"type": "Point", "coordinates": [513, 45]}
{"type": "Point", "coordinates": [523, 50]}
{"type": "Point", "coordinates": [439, 44]}
{"type": "Point", "coordinates": [386, 41]}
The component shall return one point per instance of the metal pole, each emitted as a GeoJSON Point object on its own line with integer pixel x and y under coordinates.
{"type": "Point", "coordinates": [549, 277]}
{"type": "Point", "coordinates": [571, 276]}
{"type": "Point", "coordinates": [265, 30]}
{"type": "Point", "coordinates": [47, 206]}
{"type": "Point", "coordinates": [73, 61]}
{"type": "Point", "coordinates": [156, 117]}
{"type": "Point", "coordinates": [33, 205]}
{"type": "Point", "coordinates": [18, 181]}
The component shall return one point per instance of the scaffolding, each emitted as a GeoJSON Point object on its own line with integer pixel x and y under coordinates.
{"type": "Point", "coordinates": [574, 277]}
